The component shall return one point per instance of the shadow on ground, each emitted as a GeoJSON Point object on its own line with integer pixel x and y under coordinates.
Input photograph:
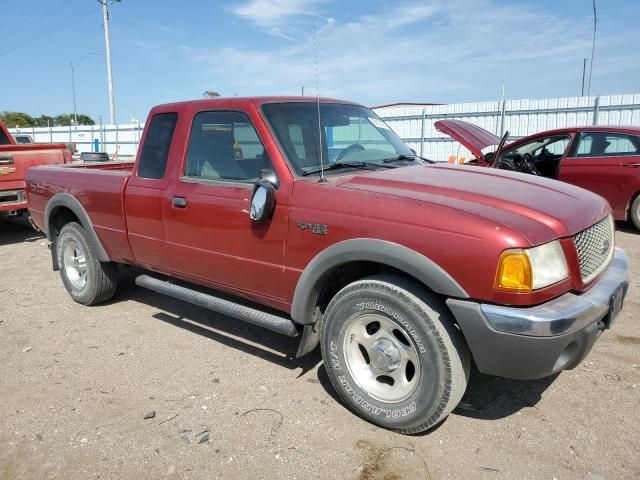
{"type": "Point", "coordinates": [228, 331]}
{"type": "Point", "coordinates": [487, 397]}
{"type": "Point", "coordinates": [627, 227]}
{"type": "Point", "coordinates": [17, 230]}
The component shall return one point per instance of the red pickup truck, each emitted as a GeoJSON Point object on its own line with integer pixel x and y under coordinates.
{"type": "Point", "coordinates": [15, 159]}
{"type": "Point", "coordinates": [315, 220]}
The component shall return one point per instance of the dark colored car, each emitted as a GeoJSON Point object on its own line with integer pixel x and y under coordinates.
{"type": "Point", "coordinates": [403, 271]}
{"type": "Point", "coordinates": [602, 159]}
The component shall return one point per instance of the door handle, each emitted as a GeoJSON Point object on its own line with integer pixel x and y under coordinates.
{"type": "Point", "coordinates": [631, 165]}
{"type": "Point", "coordinates": [179, 202]}
{"type": "Point", "coordinates": [6, 160]}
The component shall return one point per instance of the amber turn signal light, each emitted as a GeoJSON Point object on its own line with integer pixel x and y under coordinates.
{"type": "Point", "coordinates": [514, 271]}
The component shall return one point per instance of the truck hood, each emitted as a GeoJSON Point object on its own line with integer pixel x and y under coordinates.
{"type": "Point", "coordinates": [471, 136]}
{"type": "Point", "coordinates": [537, 208]}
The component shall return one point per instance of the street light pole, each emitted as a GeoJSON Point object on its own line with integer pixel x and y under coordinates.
{"type": "Point", "coordinates": [107, 41]}
{"type": "Point", "coordinates": [73, 82]}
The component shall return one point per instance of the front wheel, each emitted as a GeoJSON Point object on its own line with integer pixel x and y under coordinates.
{"type": "Point", "coordinates": [87, 279]}
{"type": "Point", "coordinates": [393, 353]}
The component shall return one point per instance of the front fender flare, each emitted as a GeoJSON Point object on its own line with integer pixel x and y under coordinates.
{"type": "Point", "coordinates": [67, 200]}
{"type": "Point", "coordinates": [367, 250]}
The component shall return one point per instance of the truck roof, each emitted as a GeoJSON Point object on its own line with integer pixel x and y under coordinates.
{"type": "Point", "coordinates": [239, 102]}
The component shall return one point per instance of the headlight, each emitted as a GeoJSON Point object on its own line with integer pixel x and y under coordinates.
{"type": "Point", "coordinates": [524, 270]}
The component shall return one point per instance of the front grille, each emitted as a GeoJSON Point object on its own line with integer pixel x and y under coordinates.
{"type": "Point", "coordinates": [12, 196]}
{"type": "Point", "coordinates": [595, 248]}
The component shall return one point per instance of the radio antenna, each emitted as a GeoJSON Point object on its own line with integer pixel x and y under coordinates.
{"type": "Point", "coordinates": [315, 61]}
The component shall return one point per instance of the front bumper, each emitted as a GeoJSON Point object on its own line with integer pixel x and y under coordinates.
{"type": "Point", "coordinates": [538, 341]}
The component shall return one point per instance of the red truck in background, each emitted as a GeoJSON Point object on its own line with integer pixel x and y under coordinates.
{"type": "Point", "coordinates": [403, 271]}
{"type": "Point", "coordinates": [15, 159]}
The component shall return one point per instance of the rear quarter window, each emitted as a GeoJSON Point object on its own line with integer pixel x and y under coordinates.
{"type": "Point", "coordinates": [155, 151]}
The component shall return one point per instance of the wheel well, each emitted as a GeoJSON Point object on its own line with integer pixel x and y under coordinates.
{"type": "Point", "coordinates": [59, 218]}
{"type": "Point", "coordinates": [345, 274]}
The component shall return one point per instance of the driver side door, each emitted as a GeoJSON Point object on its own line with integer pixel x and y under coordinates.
{"type": "Point", "coordinates": [210, 235]}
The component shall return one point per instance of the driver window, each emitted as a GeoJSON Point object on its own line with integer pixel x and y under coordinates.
{"type": "Point", "coordinates": [225, 146]}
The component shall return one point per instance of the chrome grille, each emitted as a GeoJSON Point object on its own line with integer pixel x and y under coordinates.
{"type": "Point", "coordinates": [595, 248]}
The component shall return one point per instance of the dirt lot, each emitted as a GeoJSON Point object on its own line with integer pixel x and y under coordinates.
{"type": "Point", "coordinates": [231, 402]}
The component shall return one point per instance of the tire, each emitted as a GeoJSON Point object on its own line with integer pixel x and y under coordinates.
{"type": "Point", "coordinates": [396, 322]}
{"type": "Point", "coordinates": [88, 280]}
{"type": "Point", "coordinates": [634, 213]}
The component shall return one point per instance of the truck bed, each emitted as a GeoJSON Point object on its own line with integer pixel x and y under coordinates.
{"type": "Point", "coordinates": [100, 186]}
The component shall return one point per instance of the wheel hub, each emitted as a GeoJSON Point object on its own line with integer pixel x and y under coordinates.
{"type": "Point", "coordinates": [381, 358]}
{"type": "Point", "coordinates": [385, 356]}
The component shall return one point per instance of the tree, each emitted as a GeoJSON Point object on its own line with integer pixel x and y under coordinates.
{"type": "Point", "coordinates": [66, 119]}
{"type": "Point", "coordinates": [17, 119]}
{"type": "Point", "coordinates": [44, 121]}
{"type": "Point", "coordinates": [210, 94]}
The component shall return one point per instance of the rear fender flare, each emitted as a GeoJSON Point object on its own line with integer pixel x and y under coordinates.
{"type": "Point", "coordinates": [368, 250]}
{"type": "Point", "coordinates": [67, 200]}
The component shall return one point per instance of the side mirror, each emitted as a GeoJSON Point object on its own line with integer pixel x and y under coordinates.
{"type": "Point", "coordinates": [263, 201]}
{"type": "Point", "coordinates": [270, 176]}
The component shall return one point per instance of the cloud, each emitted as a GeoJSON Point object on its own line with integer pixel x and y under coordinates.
{"type": "Point", "coordinates": [270, 13]}
{"type": "Point", "coordinates": [407, 51]}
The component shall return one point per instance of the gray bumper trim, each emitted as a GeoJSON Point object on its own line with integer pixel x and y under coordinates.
{"type": "Point", "coordinates": [566, 313]}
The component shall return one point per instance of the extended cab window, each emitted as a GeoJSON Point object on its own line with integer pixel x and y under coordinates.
{"type": "Point", "coordinates": [4, 139]}
{"type": "Point", "coordinates": [225, 146]}
{"type": "Point", "coordinates": [155, 150]}
{"type": "Point", "coordinates": [601, 144]}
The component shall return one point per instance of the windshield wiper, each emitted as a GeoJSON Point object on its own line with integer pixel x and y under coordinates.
{"type": "Point", "coordinates": [403, 157]}
{"type": "Point", "coordinates": [347, 164]}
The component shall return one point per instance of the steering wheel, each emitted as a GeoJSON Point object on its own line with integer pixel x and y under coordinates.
{"type": "Point", "coordinates": [354, 147]}
{"type": "Point", "coordinates": [530, 165]}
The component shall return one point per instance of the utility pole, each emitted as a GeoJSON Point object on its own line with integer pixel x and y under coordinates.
{"type": "Point", "coordinates": [303, 91]}
{"type": "Point", "coordinates": [584, 68]}
{"type": "Point", "coordinates": [107, 41]}
{"type": "Point", "coordinates": [593, 45]}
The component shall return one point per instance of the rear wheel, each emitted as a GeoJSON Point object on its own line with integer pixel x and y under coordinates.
{"type": "Point", "coordinates": [393, 353]}
{"type": "Point", "coordinates": [634, 214]}
{"type": "Point", "coordinates": [87, 279]}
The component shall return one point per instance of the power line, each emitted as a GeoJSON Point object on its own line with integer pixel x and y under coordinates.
{"type": "Point", "coordinates": [34, 20]}
{"type": "Point", "coordinates": [57, 25]}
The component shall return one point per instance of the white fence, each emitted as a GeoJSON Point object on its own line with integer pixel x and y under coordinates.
{"type": "Point", "coordinates": [414, 123]}
{"type": "Point", "coordinates": [123, 139]}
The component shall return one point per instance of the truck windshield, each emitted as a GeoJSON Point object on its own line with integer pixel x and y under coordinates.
{"type": "Point", "coordinates": [350, 134]}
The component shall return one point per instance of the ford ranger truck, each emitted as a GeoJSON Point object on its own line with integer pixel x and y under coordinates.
{"type": "Point", "coordinates": [15, 159]}
{"type": "Point", "coordinates": [316, 221]}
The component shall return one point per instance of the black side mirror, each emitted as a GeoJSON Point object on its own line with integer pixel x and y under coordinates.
{"type": "Point", "coordinates": [268, 175]}
{"type": "Point", "coordinates": [263, 201]}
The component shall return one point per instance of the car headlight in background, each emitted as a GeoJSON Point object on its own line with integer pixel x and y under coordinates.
{"type": "Point", "coordinates": [524, 270]}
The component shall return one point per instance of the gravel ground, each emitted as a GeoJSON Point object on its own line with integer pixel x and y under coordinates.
{"type": "Point", "coordinates": [228, 400]}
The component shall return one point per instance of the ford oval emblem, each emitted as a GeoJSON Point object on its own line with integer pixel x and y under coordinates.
{"type": "Point", "coordinates": [606, 245]}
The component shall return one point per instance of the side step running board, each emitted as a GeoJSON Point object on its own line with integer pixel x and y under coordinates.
{"type": "Point", "coordinates": [275, 323]}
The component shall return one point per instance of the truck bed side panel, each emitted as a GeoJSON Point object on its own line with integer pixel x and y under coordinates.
{"type": "Point", "coordinates": [99, 191]}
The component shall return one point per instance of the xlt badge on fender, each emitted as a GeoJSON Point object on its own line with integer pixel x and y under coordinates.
{"type": "Point", "coordinates": [317, 228]}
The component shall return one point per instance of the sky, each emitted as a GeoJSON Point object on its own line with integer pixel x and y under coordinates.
{"type": "Point", "coordinates": [373, 52]}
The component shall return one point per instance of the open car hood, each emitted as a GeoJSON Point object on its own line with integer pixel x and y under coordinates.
{"type": "Point", "coordinates": [469, 135]}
